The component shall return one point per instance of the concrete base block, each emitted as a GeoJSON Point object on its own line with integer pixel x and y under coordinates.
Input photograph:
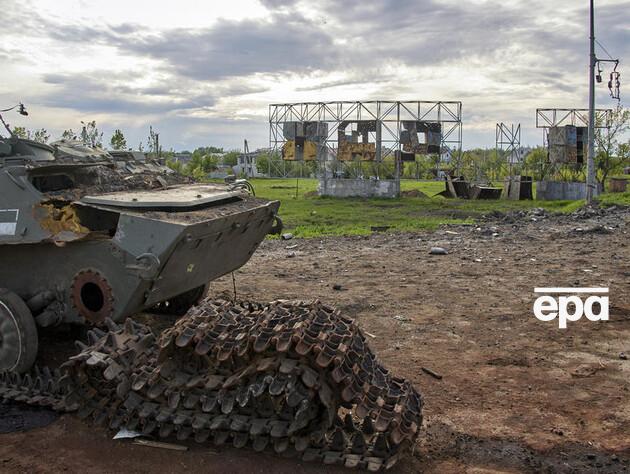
{"type": "Point", "coordinates": [384, 188]}
{"type": "Point", "coordinates": [562, 191]}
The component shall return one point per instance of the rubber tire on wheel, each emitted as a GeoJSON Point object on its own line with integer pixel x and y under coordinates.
{"type": "Point", "coordinates": [18, 334]}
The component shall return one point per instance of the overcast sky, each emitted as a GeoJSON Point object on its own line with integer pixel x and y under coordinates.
{"type": "Point", "coordinates": [203, 73]}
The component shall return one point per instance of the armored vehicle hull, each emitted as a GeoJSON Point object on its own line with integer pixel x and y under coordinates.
{"type": "Point", "coordinates": [82, 240]}
{"type": "Point", "coordinates": [85, 238]}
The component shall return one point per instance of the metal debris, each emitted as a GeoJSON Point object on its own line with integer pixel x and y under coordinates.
{"type": "Point", "coordinates": [157, 444]}
{"type": "Point", "coordinates": [124, 433]}
{"type": "Point", "coordinates": [433, 374]}
{"type": "Point", "coordinates": [438, 251]}
{"type": "Point", "coordinates": [294, 377]}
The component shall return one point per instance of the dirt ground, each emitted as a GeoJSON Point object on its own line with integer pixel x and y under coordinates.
{"type": "Point", "coordinates": [517, 394]}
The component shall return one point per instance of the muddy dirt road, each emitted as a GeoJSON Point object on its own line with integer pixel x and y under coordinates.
{"type": "Point", "coordinates": [517, 394]}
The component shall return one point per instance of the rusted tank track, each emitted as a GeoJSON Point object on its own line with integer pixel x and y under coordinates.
{"type": "Point", "coordinates": [297, 377]}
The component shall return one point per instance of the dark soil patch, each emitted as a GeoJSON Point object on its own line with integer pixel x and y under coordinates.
{"type": "Point", "coordinates": [16, 416]}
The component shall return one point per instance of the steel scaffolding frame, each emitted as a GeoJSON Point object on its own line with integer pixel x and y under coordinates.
{"type": "Point", "coordinates": [389, 114]}
{"type": "Point", "coordinates": [508, 141]}
{"type": "Point", "coordinates": [548, 118]}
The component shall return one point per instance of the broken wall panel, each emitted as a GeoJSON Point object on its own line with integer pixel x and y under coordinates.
{"type": "Point", "coordinates": [357, 145]}
{"type": "Point", "coordinates": [364, 131]}
{"type": "Point", "coordinates": [303, 139]}
{"type": "Point", "coordinates": [566, 144]}
{"type": "Point", "coordinates": [421, 137]}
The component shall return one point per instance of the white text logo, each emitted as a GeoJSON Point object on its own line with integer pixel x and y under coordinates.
{"type": "Point", "coordinates": [571, 307]}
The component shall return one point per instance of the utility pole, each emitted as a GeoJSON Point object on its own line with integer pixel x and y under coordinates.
{"type": "Point", "coordinates": [590, 163]}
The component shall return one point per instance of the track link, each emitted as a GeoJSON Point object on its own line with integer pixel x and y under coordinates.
{"type": "Point", "coordinates": [295, 377]}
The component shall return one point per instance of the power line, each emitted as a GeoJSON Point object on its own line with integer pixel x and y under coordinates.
{"type": "Point", "coordinates": [604, 49]}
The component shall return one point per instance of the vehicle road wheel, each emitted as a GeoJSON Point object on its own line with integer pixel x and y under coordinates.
{"type": "Point", "coordinates": [18, 334]}
{"type": "Point", "coordinates": [180, 304]}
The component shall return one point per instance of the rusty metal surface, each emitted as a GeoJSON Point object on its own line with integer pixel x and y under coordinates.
{"type": "Point", "coordinates": [151, 234]}
{"type": "Point", "coordinates": [297, 378]}
{"type": "Point", "coordinates": [95, 311]}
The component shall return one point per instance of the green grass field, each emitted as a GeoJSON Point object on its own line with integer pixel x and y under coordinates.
{"type": "Point", "coordinates": [306, 215]}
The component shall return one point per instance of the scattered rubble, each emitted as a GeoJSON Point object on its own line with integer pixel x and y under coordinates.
{"type": "Point", "coordinates": [433, 374]}
{"type": "Point", "coordinates": [438, 251]}
{"type": "Point", "coordinates": [401, 318]}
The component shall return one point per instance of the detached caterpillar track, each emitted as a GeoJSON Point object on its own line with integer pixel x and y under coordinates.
{"type": "Point", "coordinates": [295, 377]}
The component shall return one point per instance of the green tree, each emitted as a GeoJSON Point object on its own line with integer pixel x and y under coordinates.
{"type": "Point", "coordinates": [118, 141]}
{"type": "Point", "coordinates": [231, 158]}
{"type": "Point", "coordinates": [90, 135]}
{"type": "Point", "coordinates": [68, 135]}
{"type": "Point", "coordinates": [175, 166]}
{"type": "Point", "coordinates": [611, 155]}
{"type": "Point", "coordinates": [537, 164]}
{"type": "Point", "coordinates": [200, 165]}
{"type": "Point", "coordinates": [153, 143]}
{"type": "Point", "coordinates": [41, 135]}
{"type": "Point", "coordinates": [21, 132]}
{"type": "Point", "coordinates": [210, 163]}
{"type": "Point", "coordinates": [264, 160]}
{"type": "Point", "coordinates": [206, 150]}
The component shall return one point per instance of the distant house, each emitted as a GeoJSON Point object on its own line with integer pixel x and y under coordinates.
{"type": "Point", "coordinates": [446, 156]}
{"type": "Point", "coordinates": [246, 164]}
{"type": "Point", "coordinates": [519, 155]}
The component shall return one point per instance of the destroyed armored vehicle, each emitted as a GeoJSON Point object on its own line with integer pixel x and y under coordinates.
{"type": "Point", "coordinates": [82, 240]}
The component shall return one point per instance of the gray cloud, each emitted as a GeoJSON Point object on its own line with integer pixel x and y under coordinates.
{"type": "Point", "coordinates": [354, 81]}
{"type": "Point", "coordinates": [279, 4]}
{"type": "Point", "coordinates": [237, 48]}
{"type": "Point", "coordinates": [99, 93]}
{"type": "Point", "coordinates": [526, 56]}
{"type": "Point", "coordinates": [358, 36]}
{"type": "Point", "coordinates": [228, 49]}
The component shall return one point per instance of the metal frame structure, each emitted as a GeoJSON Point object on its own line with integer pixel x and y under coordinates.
{"type": "Point", "coordinates": [389, 114]}
{"type": "Point", "coordinates": [549, 118]}
{"type": "Point", "coordinates": [508, 141]}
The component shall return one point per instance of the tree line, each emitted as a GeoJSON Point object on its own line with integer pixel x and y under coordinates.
{"type": "Point", "coordinates": [612, 156]}
{"type": "Point", "coordinates": [89, 135]}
